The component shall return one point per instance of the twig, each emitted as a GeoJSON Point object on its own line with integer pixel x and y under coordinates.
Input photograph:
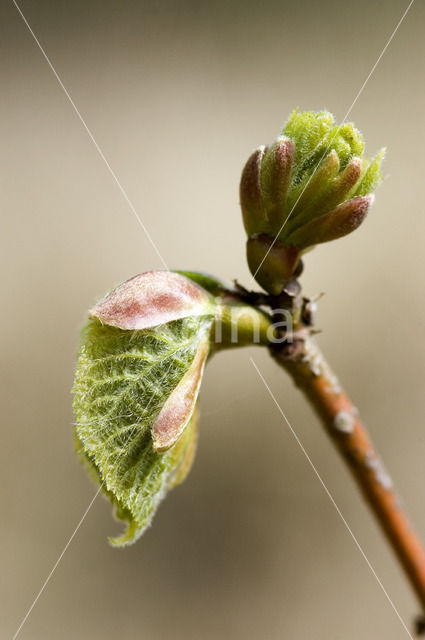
{"type": "Point", "coordinates": [308, 368]}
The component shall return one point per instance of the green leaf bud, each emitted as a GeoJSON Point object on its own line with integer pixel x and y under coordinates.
{"type": "Point", "coordinates": [307, 174]}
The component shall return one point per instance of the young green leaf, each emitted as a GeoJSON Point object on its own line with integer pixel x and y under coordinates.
{"type": "Point", "coordinates": [136, 391]}
{"type": "Point", "coordinates": [161, 474]}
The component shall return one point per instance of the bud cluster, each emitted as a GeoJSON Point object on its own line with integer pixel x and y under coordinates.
{"type": "Point", "coordinates": [310, 186]}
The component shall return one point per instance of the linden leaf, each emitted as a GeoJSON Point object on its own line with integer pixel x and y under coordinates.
{"type": "Point", "coordinates": [124, 380]}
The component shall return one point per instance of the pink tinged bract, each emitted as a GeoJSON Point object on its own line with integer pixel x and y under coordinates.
{"type": "Point", "coordinates": [179, 407]}
{"type": "Point", "coordinates": [152, 298]}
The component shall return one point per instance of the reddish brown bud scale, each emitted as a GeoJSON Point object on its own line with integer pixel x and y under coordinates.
{"type": "Point", "coordinates": [178, 409]}
{"type": "Point", "coordinates": [150, 299]}
{"type": "Point", "coordinates": [275, 178]}
{"type": "Point", "coordinates": [250, 192]}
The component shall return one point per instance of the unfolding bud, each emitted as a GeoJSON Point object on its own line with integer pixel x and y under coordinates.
{"type": "Point", "coordinates": [339, 222]}
{"type": "Point", "coordinates": [297, 192]}
{"type": "Point", "coordinates": [137, 382]}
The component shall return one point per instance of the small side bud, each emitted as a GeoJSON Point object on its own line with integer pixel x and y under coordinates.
{"type": "Point", "coordinates": [344, 219]}
{"type": "Point", "coordinates": [271, 263]}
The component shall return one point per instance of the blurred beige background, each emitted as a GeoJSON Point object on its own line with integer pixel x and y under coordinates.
{"type": "Point", "coordinates": [177, 94]}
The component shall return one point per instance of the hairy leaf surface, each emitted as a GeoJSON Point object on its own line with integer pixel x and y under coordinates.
{"type": "Point", "coordinates": [124, 378]}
